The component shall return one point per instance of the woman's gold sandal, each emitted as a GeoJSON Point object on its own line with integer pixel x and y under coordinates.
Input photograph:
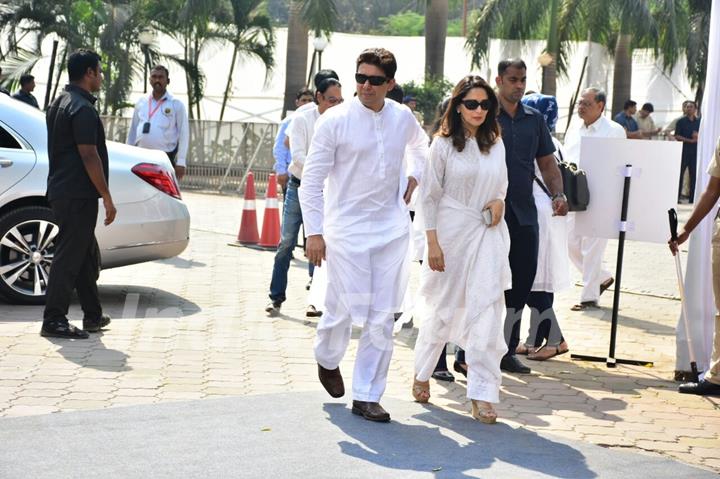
{"type": "Point", "coordinates": [483, 411]}
{"type": "Point", "coordinates": [421, 391]}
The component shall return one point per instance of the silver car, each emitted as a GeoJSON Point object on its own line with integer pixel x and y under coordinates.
{"type": "Point", "coordinates": [152, 221]}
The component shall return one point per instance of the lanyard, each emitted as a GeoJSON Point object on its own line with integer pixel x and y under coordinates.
{"type": "Point", "coordinates": [152, 111]}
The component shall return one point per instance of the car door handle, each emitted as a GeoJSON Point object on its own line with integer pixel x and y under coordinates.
{"type": "Point", "coordinates": [4, 162]}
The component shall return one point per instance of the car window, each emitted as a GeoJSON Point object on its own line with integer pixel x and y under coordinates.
{"type": "Point", "coordinates": [7, 140]}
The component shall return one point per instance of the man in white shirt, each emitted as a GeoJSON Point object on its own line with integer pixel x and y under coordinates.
{"type": "Point", "coordinates": [587, 253]}
{"type": "Point", "coordinates": [359, 222]}
{"type": "Point", "coordinates": [300, 133]}
{"type": "Point", "coordinates": [160, 122]}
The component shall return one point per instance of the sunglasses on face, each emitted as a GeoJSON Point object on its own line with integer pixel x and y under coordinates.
{"type": "Point", "coordinates": [375, 80]}
{"type": "Point", "coordinates": [474, 104]}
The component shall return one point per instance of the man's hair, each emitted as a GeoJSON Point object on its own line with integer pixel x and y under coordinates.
{"type": "Point", "coordinates": [162, 68]}
{"type": "Point", "coordinates": [395, 94]}
{"type": "Point", "coordinates": [689, 101]}
{"type": "Point", "coordinates": [327, 83]}
{"type": "Point", "coordinates": [510, 62]}
{"type": "Point", "coordinates": [323, 75]}
{"type": "Point", "coordinates": [303, 92]}
{"type": "Point", "coordinates": [25, 79]}
{"type": "Point", "coordinates": [648, 107]}
{"type": "Point", "coordinates": [80, 61]}
{"type": "Point", "coordinates": [381, 58]}
{"type": "Point", "coordinates": [600, 95]}
{"type": "Point", "coordinates": [628, 104]}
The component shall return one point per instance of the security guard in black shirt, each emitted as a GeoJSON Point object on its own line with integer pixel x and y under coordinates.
{"type": "Point", "coordinates": [78, 177]}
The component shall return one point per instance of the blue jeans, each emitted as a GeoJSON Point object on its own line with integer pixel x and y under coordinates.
{"type": "Point", "coordinates": [292, 219]}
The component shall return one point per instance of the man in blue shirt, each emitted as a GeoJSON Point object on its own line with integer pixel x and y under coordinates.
{"type": "Point", "coordinates": [527, 141]}
{"type": "Point", "coordinates": [627, 120]}
{"type": "Point", "coordinates": [281, 151]}
{"type": "Point", "coordinates": [686, 130]}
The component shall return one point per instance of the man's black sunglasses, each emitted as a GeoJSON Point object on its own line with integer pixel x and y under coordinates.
{"type": "Point", "coordinates": [375, 80]}
{"type": "Point", "coordinates": [474, 104]}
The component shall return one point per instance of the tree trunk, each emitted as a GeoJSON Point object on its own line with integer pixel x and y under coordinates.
{"type": "Point", "coordinates": [622, 76]}
{"type": "Point", "coordinates": [549, 71]}
{"type": "Point", "coordinates": [436, 20]}
{"type": "Point", "coordinates": [229, 80]}
{"type": "Point", "coordinates": [296, 59]}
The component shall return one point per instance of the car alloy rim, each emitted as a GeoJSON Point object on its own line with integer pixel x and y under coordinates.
{"type": "Point", "coordinates": [26, 254]}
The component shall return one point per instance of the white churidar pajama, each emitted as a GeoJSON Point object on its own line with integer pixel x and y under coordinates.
{"type": "Point", "coordinates": [366, 157]}
{"type": "Point", "coordinates": [587, 253]}
{"type": "Point", "coordinates": [465, 304]}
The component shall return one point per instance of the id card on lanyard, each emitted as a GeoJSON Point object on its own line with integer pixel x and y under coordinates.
{"type": "Point", "coordinates": [151, 112]}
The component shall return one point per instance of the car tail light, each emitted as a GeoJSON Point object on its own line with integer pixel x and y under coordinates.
{"type": "Point", "coordinates": [158, 177]}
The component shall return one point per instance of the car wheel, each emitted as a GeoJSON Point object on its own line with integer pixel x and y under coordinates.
{"type": "Point", "coordinates": [27, 246]}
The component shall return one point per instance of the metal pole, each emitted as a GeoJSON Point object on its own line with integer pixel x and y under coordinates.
{"type": "Point", "coordinates": [145, 70]}
{"type": "Point", "coordinates": [50, 74]}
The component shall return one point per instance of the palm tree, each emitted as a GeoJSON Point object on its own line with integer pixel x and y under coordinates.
{"type": "Point", "coordinates": [319, 16]}
{"type": "Point", "coordinates": [436, 20]}
{"type": "Point", "coordinates": [696, 45]}
{"type": "Point", "coordinates": [251, 35]}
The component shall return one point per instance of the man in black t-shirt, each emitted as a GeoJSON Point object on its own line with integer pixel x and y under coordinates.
{"type": "Point", "coordinates": [686, 130]}
{"type": "Point", "coordinates": [78, 177]}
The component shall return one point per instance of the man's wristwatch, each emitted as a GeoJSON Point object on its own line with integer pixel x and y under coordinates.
{"type": "Point", "coordinates": [559, 196]}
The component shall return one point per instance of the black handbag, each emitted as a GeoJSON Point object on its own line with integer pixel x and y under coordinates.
{"type": "Point", "coordinates": [575, 185]}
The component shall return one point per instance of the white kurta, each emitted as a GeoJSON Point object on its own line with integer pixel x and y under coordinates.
{"type": "Point", "coordinates": [587, 253]}
{"type": "Point", "coordinates": [366, 157]}
{"type": "Point", "coordinates": [552, 273]}
{"type": "Point", "coordinates": [465, 304]}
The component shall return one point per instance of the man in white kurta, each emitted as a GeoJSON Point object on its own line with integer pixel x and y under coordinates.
{"type": "Point", "coordinates": [359, 224]}
{"type": "Point", "coordinates": [587, 253]}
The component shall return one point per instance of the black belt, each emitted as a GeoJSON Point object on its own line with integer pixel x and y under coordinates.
{"type": "Point", "coordinates": [294, 181]}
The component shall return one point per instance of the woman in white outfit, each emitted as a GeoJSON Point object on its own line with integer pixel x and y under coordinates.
{"type": "Point", "coordinates": [467, 269]}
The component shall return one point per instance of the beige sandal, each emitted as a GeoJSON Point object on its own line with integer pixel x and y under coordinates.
{"type": "Point", "coordinates": [483, 411]}
{"type": "Point", "coordinates": [421, 391]}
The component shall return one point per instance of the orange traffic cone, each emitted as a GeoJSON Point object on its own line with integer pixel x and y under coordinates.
{"type": "Point", "coordinates": [270, 238]}
{"type": "Point", "coordinates": [248, 233]}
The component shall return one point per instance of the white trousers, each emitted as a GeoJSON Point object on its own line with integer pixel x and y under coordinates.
{"type": "Point", "coordinates": [364, 287]}
{"type": "Point", "coordinates": [484, 375]}
{"type": "Point", "coordinates": [587, 255]}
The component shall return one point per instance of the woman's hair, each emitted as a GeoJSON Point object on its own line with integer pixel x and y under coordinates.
{"type": "Point", "coordinates": [452, 125]}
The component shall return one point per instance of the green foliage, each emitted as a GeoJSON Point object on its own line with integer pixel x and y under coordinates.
{"type": "Point", "coordinates": [428, 95]}
{"type": "Point", "coordinates": [405, 24]}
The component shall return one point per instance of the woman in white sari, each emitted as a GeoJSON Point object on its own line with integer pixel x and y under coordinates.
{"type": "Point", "coordinates": [467, 269]}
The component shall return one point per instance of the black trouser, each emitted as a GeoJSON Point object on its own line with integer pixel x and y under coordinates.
{"type": "Point", "coordinates": [688, 162]}
{"type": "Point", "coordinates": [172, 156]}
{"type": "Point", "coordinates": [524, 242]}
{"type": "Point", "coordinates": [76, 264]}
{"type": "Point", "coordinates": [543, 320]}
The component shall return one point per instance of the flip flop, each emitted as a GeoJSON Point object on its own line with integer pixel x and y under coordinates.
{"type": "Point", "coordinates": [546, 352]}
{"type": "Point", "coordinates": [585, 305]}
{"type": "Point", "coordinates": [606, 284]}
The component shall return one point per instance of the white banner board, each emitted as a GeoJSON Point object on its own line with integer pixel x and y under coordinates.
{"type": "Point", "coordinates": [653, 187]}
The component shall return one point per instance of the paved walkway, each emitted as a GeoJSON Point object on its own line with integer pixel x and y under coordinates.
{"type": "Point", "coordinates": [193, 327]}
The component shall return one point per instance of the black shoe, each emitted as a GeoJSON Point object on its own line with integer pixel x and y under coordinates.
{"type": "Point", "coordinates": [443, 376]}
{"type": "Point", "coordinates": [62, 330]}
{"type": "Point", "coordinates": [459, 368]}
{"type": "Point", "coordinates": [308, 285]}
{"type": "Point", "coordinates": [702, 388]}
{"type": "Point", "coordinates": [512, 364]}
{"type": "Point", "coordinates": [95, 325]}
{"type": "Point", "coordinates": [273, 308]}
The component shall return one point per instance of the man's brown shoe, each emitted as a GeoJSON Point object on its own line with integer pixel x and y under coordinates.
{"type": "Point", "coordinates": [606, 284]}
{"type": "Point", "coordinates": [372, 411]}
{"type": "Point", "coordinates": [332, 381]}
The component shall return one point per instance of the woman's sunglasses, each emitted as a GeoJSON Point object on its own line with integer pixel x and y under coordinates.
{"type": "Point", "coordinates": [375, 80]}
{"type": "Point", "coordinates": [474, 104]}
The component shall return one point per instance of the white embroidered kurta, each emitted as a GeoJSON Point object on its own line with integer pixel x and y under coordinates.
{"type": "Point", "coordinates": [465, 304]}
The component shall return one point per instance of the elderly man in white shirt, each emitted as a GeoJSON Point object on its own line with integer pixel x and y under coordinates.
{"type": "Point", "coordinates": [359, 223]}
{"type": "Point", "coordinates": [587, 253]}
{"type": "Point", "coordinates": [160, 122]}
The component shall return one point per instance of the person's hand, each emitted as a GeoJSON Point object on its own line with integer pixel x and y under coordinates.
{"type": "Point", "coordinates": [436, 259]}
{"type": "Point", "coordinates": [674, 245]}
{"type": "Point", "coordinates": [282, 180]}
{"type": "Point", "coordinates": [315, 249]}
{"type": "Point", "coordinates": [110, 210]}
{"type": "Point", "coordinates": [497, 208]}
{"type": "Point", "coordinates": [560, 207]}
{"type": "Point", "coordinates": [412, 184]}
{"type": "Point", "coordinates": [179, 172]}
